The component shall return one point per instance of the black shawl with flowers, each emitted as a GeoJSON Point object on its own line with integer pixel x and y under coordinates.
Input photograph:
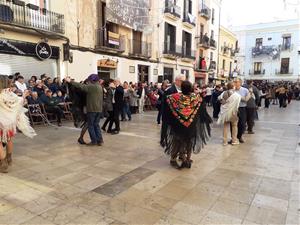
{"type": "Point", "coordinates": [186, 124]}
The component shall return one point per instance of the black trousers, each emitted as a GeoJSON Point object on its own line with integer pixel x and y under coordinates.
{"type": "Point", "coordinates": [282, 100]}
{"type": "Point", "coordinates": [242, 121]}
{"type": "Point", "coordinates": [108, 119]}
{"type": "Point", "coordinates": [216, 106]}
{"type": "Point", "coordinates": [267, 102]}
{"type": "Point", "coordinates": [116, 118]}
{"type": "Point", "coordinates": [251, 112]}
{"type": "Point", "coordinates": [57, 111]}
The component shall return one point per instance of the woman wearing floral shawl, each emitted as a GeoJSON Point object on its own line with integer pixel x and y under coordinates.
{"type": "Point", "coordinates": [188, 126]}
{"type": "Point", "coordinates": [12, 116]}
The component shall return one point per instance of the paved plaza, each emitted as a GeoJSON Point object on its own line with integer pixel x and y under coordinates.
{"type": "Point", "coordinates": [129, 180]}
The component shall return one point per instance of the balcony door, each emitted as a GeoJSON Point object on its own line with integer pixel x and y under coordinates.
{"type": "Point", "coordinates": [170, 38]}
{"type": "Point", "coordinates": [257, 67]}
{"type": "Point", "coordinates": [137, 42]}
{"type": "Point", "coordinates": [258, 42]}
{"type": "Point", "coordinates": [286, 43]}
{"type": "Point", "coordinates": [186, 43]}
{"type": "Point", "coordinates": [285, 64]}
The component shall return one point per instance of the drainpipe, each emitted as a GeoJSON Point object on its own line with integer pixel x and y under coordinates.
{"type": "Point", "coordinates": [219, 38]}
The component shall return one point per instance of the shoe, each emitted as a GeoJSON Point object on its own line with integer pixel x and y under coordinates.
{"type": "Point", "coordinates": [103, 128]}
{"type": "Point", "coordinates": [241, 140]}
{"type": "Point", "coordinates": [251, 132]}
{"type": "Point", "coordinates": [92, 144]}
{"type": "Point", "coordinates": [59, 124]}
{"type": "Point", "coordinates": [230, 142]}
{"type": "Point", "coordinates": [100, 143]}
{"type": "Point", "coordinates": [174, 164]}
{"type": "Point", "coordinates": [81, 141]}
{"type": "Point", "coordinates": [109, 131]}
{"type": "Point", "coordinates": [115, 132]}
{"type": "Point", "coordinates": [225, 144]}
{"type": "Point", "coordinates": [9, 159]}
{"type": "Point", "coordinates": [235, 143]}
{"type": "Point", "coordinates": [3, 166]}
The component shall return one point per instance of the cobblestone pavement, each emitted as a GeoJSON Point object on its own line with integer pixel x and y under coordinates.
{"type": "Point", "coordinates": [129, 180]}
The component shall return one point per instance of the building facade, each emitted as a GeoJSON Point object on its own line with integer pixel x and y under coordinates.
{"type": "Point", "coordinates": [32, 37]}
{"type": "Point", "coordinates": [208, 22]}
{"type": "Point", "coordinates": [228, 49]}
{"type": "Point", "coordinates": [269, 51]}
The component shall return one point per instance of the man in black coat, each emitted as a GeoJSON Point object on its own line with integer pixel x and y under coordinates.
{"type": "Point", "coordinates": [118, 102]}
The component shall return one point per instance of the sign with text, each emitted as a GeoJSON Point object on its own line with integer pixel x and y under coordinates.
{"type": "Point", "coordinates": [107, 63]}
{"type": "Point", "coordinates": [41, 51]}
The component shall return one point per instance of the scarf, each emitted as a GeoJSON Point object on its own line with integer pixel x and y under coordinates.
{"type": "Point", "coordinates": [230, 108]}
{"type": "Point", "coordinates": [184, 107]}
{"type": "Point", "coordinates": [13, 116]}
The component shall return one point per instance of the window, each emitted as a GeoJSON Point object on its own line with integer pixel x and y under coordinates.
{"type": "Point", "coordinates": [257, 67]}
{"type": "Point", "coordinates": [187, 7]}
{"type": "Point", "coordinates": [170, 38]}
{"type": "Point", "coordinates": [269, 39]}
{"type": "Point", "coordinates": [186, 43]}
{"type": "Point", "coordinates": [230, 68]}
{"type": "Point", "coordinates": [213, 16]}
{"type": "Point", "coordinates": [223, 64]}
{"type": "Point", "coordinates": [211, 56]}
{"type": "Point", "coordinates": [285, 63]}
{"type": "Point", "coordinates": [168, 74]}
{"type": "Point", "coordinates": [286, 43]}
{"type": "Point", "coordinates": [201, 53]}
{"type": "Point", "coordinates": [212, 34]}
{"type": "Point", "coordinates": [201, 31]}
{"type": "Point", "coordinates": [258, 42]}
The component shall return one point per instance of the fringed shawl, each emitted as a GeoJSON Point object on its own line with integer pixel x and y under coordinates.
{"type": "Point", "coordinates": [12, 116]}
{"type": "Point", "coordinates": [230, 108]}
{"type": "Point", "coordinates": [187, 124]}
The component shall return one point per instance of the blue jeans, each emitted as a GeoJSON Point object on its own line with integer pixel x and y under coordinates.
{"type": "Point", "coordinates": [93, 120]}
{"type": "Point", "coordinates": [126, 111]}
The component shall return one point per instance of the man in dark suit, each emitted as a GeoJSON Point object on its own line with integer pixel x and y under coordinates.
{"type": "Point", "coordinates": [118, 102]}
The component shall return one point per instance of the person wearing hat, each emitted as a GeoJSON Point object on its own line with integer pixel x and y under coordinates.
{"type": "Point", "coordinates": [94, 105]}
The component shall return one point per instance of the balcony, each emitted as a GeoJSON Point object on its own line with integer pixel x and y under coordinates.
{"type": "Point", "coordinates": [110, 41]}
{"type": "Point", "coordinates": [139, 49]}
{"type": "Point", "coordinates": [204, 11]}
{"type": "Point", "coordinates": [212, 43]}
{"type": "Point", "coordinates": [189, 20]}
{"type": "Point", "coordinates": [203, 41]}
{"type": "Point", "coordinates": [236, 50]}
{"type": "Point", "coordinates": [284, 71]}
{"type": "Point", "coordinates": [171, 50]}
{"type": "Point", "coordinates": [225, 50]}
{"type": "Point", "coordinates": [271, 50]}
{"type": "Point", "coordinates": [31, 16]}
{"type": "Point", "coordinates": [172, 11]}
{"type": "Point", "coordinates": [188, 54]}
{"type": "Point", "coordinates": [257, 72]}
{"type": "Point", "coordinates": [232, 53]}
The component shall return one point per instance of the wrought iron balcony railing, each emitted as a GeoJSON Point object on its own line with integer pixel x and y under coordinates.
{"type": "Point", "coordinates": [139, 48]}
{"type": "Point", "coordinates": [212, 65]}
{"type": "Point", "coordinates": [173, 9]}
{"type": "Point", "coordinates": [203, 41]}
{"type": "Point", "coordinates": [284, 71]}
{"type": "Point", "coordinates": [212, 43]}
{"type": "Point", "coordinates": [188, 53]}
{"type": "Point", "coordinates": [172, 49]}
{"type": "Point", "coordinates": [257, 72]}
{"type": "Point", "coordinates": [204, 11]}
{"type": "Point", "coordinates": [190, 19]}
{"type": "Point", "coordinates": [12, 12]}
{"type": "Point", "coordinates": [286, 47]}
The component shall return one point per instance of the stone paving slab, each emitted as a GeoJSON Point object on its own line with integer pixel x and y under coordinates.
{"type": "Point", "coordinates": [129, 180]}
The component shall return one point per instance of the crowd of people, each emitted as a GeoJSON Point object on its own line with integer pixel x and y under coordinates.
{"type": "Point", "coordinates": [181, 106]}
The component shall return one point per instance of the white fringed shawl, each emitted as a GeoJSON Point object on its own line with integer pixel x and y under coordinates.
{"type": "Point", "coordinates": [12, 116]}
{"type": "Point", "coordinates": [230, 108]}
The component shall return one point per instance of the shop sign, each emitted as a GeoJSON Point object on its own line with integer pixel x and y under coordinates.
{"type": "Point", "coordinates": [43, 50]}
{"type": "Point", "coordinates": [200, 75]}
{"type": "Point", "coordinates": [107, 63]}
